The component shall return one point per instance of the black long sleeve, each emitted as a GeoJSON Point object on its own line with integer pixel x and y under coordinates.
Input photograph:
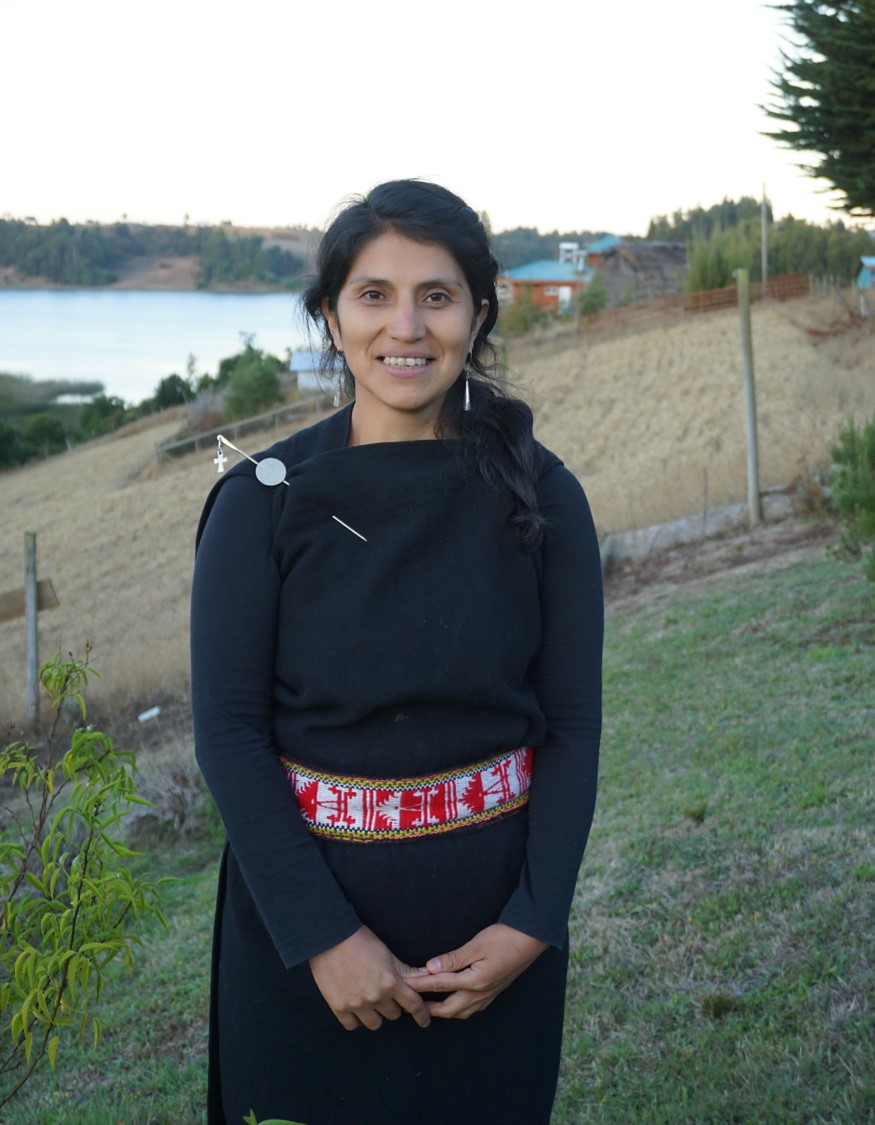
{"type": "Point", "coordinates": [234, 616]}
{"type": "Point", "coordinates": [567, 678]}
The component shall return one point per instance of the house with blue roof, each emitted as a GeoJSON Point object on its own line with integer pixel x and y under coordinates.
{"type": "Point", "coordinates": [547, 284]}
{"type": "Point", "coordinates": [635, 270]}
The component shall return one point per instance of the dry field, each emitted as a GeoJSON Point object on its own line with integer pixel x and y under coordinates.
{"type": "Point", "coordinates": [642, 420]}
{"type": "Point", "coordinates": [653, 422]}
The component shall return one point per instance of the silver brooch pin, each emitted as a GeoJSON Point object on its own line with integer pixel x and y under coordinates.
{"type": "Point", "coordinates": [270, 471]}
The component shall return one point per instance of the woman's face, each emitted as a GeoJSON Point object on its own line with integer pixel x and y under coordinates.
{"type": "Point", "coordinates": [405, 322]}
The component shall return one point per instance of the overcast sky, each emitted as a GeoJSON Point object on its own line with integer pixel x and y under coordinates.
{"type": "Point", "coordinates": [575, 115]}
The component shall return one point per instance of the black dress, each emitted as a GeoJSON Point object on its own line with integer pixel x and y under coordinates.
{"type": "Point", "coordinates": [433, 642]}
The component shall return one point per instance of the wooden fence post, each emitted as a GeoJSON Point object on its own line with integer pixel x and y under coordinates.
{"type": "Point", "coordinates": [31, 631]}
{"type": "Point", "coordinates": [750, 404]}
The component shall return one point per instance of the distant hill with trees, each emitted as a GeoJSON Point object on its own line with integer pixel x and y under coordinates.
{"type": "Point", "coordinates": [89, 254]}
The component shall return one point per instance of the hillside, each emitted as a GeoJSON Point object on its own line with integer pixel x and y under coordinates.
{"type": "Point", "coordinates": [222, 259]}
{"type": "Point", "coordinates": [650, 422]}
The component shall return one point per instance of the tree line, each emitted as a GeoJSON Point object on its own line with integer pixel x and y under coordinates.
{"type": "Point", "coordinates": [86, 255]}
{"type": "Point", "coordinates": [522, 245]}
{"type": "Point", "coordinates": [727, 236]}
{"type": "Point", "coordinates": [33, 424]}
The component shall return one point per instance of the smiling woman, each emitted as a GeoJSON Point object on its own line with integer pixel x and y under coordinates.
{"type": "Point", "coordinates": [404, 322]}
{"type": "Point", "coordinates": [403, 738]}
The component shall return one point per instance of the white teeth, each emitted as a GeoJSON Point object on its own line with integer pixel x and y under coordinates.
{"type": "Point", "coordinates": [404, 361]}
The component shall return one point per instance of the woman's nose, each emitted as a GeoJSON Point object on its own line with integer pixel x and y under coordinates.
{"type": "Point", "coordinates": [406, 321]}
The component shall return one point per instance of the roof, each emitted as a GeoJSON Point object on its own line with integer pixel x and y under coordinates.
{"type": "Point", "coordinates": [548, 270]}
{"type": "Point", "coordinates": [869, 263]}
{"type": "Point", "coordinates": [602, 245]}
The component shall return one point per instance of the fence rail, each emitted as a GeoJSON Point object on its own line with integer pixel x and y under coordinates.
{"type": "Point", "coordinates": [291, 412]}
{"type": "Point", "coordinates": [658, 310]}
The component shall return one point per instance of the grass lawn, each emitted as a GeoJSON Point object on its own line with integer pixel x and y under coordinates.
{"type": "Point", "coordinates": [723, 966]}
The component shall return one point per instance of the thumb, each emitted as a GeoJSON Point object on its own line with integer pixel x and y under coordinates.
{"type": "Point", "coordinates": [409, 971]}
{"type": "Point", "coordinates": [453, 961]}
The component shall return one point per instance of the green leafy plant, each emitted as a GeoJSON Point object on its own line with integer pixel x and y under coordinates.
{"type": "Point", "coordinates": [521, 316]}
{"type": "Point", "coordinates": [853, 491]}
{"type": "Point", "coordinates": [67, 892]}
{"type": "Point", "coordinates": [594, 297]}
{"type": "Point", "coordinates": [253, 381]}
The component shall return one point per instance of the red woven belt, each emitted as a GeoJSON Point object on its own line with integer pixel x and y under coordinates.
{"type": "Point", "coordinates": [368, 809]}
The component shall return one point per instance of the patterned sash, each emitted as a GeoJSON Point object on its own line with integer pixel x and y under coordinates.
{"type": "Point", "coordinates": [367, 810]}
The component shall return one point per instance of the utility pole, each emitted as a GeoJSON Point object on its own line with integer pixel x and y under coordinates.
{"type": "Point", "coordinates": [31, 658]}
{"type": "Point", "coordinates": [750, 405]}
{"type": "Point", "coordinates": [764, 244]}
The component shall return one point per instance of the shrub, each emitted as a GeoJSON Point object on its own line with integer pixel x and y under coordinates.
{"type": "Point", "coordinates": [594, 298]}
{"type": "Point", "coordinates": [521, 316]}
{"type": "Point", "coordinates": [253, 383]}
{"type": "Point", "coordinates": [67, 893]}
{"type": "Point", "coordinates": [45, 434]}
{"type": "Point", "coordinates": [853, 491]}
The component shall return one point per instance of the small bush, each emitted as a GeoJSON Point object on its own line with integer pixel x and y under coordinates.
{"type": "Point", "coordinates": [594, 298]}
{"type": "Point", "coordinates": [521, 316]}
{"type": "Point", "coordinates": [853, 491]}
{"type": "Point", "coordinates": [253, 383]}
{"type": "Point", "coordinates": [67, 892]}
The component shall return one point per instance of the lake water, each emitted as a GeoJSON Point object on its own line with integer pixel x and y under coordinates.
{"type": "Point", "coordinates": [129, 340]}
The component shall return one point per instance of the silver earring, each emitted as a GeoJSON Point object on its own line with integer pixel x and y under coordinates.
{"type": "Point", "coordinates": [467, 405]}
{"type": "Point", "coordinates": [338, 392]}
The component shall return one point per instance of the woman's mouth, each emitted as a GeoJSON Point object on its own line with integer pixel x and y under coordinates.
{"type": "Point", "coordinates": [405, 361]}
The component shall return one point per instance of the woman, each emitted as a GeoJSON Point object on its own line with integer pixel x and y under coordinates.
{"type": "Point", "coordinates": [396, 687]}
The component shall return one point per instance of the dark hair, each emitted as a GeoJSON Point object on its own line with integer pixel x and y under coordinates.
{"type": "Point", "coordinates": [495, 435]}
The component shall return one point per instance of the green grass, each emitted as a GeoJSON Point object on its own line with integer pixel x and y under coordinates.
{"type": "Point", "coordinates": [722, 966]}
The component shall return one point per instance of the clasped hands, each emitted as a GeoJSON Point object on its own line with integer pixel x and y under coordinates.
{"type": "Point", "coordinates": [364, 983]}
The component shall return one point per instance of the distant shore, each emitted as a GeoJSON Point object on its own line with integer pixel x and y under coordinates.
{"type": "Point", "coordinates": [159, 273]}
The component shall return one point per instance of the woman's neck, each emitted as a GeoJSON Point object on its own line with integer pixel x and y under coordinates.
{"type": "Point", "coordinates": [370, 427]}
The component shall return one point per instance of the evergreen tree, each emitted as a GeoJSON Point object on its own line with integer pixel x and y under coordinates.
{"type": "Point", "coordinates": [826, 95]}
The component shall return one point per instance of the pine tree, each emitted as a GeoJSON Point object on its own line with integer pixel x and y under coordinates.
{"type": "Point", "coordinates": [826, 95]}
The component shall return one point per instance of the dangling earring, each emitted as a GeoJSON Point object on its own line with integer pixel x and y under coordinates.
{"type": "Point", "coordinates": [338, 393]}
{"type": "Point", "coordinates": [467, 405]}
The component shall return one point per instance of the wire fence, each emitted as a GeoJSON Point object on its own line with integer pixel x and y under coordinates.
{"type": "Point", "coordinates": [659, 310]}
{"type": "Point", "coordinates": [298, 411]}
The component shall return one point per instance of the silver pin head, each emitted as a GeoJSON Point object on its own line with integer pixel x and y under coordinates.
{"type": "Point", "coordinates": [271, 471]}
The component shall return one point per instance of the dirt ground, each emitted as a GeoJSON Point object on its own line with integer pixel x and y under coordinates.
{"type": "Point", "coordinates": [766, 549]}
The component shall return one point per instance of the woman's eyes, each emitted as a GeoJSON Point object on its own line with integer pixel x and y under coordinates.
{"type": "Point", "coordinates": [436, 297]}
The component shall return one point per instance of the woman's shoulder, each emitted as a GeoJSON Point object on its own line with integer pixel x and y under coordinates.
{"type": "Point", "coordinates": [551, 471]}
{"type": "Point", "coordinates": [559, 489]}
{"type": "Point", "coordinates": [328, 434]}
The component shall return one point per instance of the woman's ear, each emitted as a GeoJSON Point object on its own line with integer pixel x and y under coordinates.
{"type": "Point", "coordinates": [333, 325]}
{"type": "Point", "coordinates": [478, 322]}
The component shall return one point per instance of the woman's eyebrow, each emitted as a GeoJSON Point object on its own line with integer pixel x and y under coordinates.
{"type": "Point", "coordinates": [447, 281]}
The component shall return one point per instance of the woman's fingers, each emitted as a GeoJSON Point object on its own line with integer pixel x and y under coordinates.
{"type": "Point", "coordinates": [363, 983]}
{"type": "Point", "coordinates": [477, 971]}
{"type": "Point", "coordinates": [460, 1005]}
